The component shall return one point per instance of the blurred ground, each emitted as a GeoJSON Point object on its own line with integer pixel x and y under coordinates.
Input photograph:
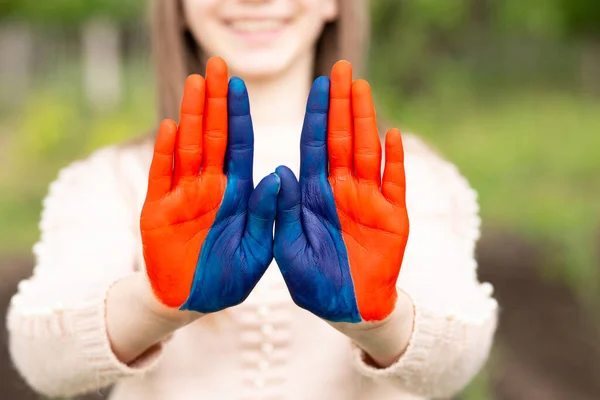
{"type": "Point", "coordinates": [548, 345]}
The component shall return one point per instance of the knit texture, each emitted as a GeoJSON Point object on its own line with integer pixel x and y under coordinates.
{"type": "Point", "coordinates": [267, 347]}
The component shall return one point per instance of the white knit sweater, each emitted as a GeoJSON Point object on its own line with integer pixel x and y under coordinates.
{"type": "Point", "coordinates": [265, 348]}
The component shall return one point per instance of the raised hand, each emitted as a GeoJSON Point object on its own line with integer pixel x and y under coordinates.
{"type": "Point", "coordinates": [340, 232]}
{"type": "Point", "coordinates": [207, 236]}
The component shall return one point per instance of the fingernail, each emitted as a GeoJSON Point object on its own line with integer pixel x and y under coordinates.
{"type": "Point", "coordinates": [278, 181]}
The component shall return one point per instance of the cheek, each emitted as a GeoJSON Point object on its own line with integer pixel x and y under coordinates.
{"type": "Point", "coordinates": [305, 33]}
{"type": "Point", "coordinates": [200, 17]}
{"type": "Point", "coordinates": [308, 29]}
{"type": "Point", "coordinates": [323, 10]}
{"type": "Point", "coordinates": [314, 15]}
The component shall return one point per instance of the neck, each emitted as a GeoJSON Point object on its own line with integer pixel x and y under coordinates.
{"type": "Point", "coordinates": [281, 99]}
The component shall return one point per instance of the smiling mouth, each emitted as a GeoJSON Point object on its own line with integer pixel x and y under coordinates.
{"type": "Point", "coordinates": [257, 26]}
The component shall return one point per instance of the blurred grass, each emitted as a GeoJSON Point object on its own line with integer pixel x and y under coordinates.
{"type": "Point", "coordinates": [53, 126]}
{"type": "Point", "coordinates": [533, 156]}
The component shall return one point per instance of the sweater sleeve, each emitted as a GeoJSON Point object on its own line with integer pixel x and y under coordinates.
{"type": "Point", "coordinates": [455, 315]}
{"type": "Point", "coordinates": [56, 320]}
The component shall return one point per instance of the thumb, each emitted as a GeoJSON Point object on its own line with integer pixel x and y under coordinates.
{"type": "Point", "coordinates": [262, 207]}
{"type": "Point", "coordinates": [288, 227]}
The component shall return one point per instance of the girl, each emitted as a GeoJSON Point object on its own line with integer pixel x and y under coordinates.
{"type": "Point", "coordinates": [185, 307]}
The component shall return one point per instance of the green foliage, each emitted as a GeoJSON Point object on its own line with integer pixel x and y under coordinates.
{"type": "Point", "coordinates": [71, 12]}
{"type": "Point", "coordinates": [54, 127]}
{"type": "Point", "coordinates": [537, 17]}
{"type": "Point", "coordinates": [430, 14]}
{"type": "Point", "coordinates": [7, 7]}
{"type": "Point", "coordinates": [411, 36]}
{"type": "Point", "coordinates": [582, 17]}
{"type": "Point", "coordinates": [545, 18]}
{"type": "Point", "coordinates": [542, 17]}
{"type": "Point", "coordinates": [533, 158]}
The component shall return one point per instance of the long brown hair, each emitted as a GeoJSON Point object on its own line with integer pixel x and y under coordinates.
{"type": "Point", "coordinates": [177, 54]}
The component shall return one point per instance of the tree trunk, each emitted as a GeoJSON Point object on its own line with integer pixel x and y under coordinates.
{"type": "Point", "coordinates": [101, 64]}
{"type": "Point", "coordinates": [16, 50]}
{"type": "Point", "coordinates": [590, 67]}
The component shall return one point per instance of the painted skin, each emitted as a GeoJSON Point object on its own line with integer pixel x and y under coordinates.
{"type": "Point", "coordinates": [207, 235]}
{"type": "Point", "coordinates": [341, 231]}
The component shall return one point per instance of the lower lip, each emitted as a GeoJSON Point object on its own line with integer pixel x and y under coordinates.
{"type": "Point", "coordinates": [259, 37]}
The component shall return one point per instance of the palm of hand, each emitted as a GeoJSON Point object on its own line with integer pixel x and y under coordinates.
{"type": "Point", "coordinates": [174, 228]}
{"type": "Point", "coordinates": [339, 239]}
{"type": "Point", "coordinates": [375, 232]}
{"type": "Point", "coordinates": [207, 235]}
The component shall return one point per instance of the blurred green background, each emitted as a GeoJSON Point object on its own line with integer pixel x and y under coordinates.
{"type": "Point", "coordinates": [509, 90]}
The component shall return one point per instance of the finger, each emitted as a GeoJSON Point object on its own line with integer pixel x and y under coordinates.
{"type": "Point", "coordinates": [339, 139]}
{"type": "Point", "coordinates": [394, 179]}
{"type": "Point", "coordinates": [189, 138]}
{"type": "Point", "coordinates": [288, 224]}
{"type": "Point", "coordinates": [262, 208]}
{"type": "Point", "coordinates": [367, 147]}
{"type": "Point", "coordinates": [161, 168]}
{"type": "Point", "coordinates": [215, 123]}
{"type": "Point", "coordinates": [240, 146]}
{"type": "Point", "coordinates": [313, 145]}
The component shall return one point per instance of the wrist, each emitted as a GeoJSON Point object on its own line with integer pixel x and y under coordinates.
{"type": "Point", "coordinates": [136, 321]}
{"type": "Point", "coordinates": [384, 341]}
{"type": "Point", "coordinates": [169, 316]}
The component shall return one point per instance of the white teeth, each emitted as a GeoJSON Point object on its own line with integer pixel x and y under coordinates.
{"type": "Point", "coordinates": [256, 26]}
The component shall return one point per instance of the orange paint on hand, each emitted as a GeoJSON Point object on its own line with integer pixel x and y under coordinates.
{"type": "Point", "coordinates": [186, 185]}
{"type": "Point", "coordinates": [372, 213]}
